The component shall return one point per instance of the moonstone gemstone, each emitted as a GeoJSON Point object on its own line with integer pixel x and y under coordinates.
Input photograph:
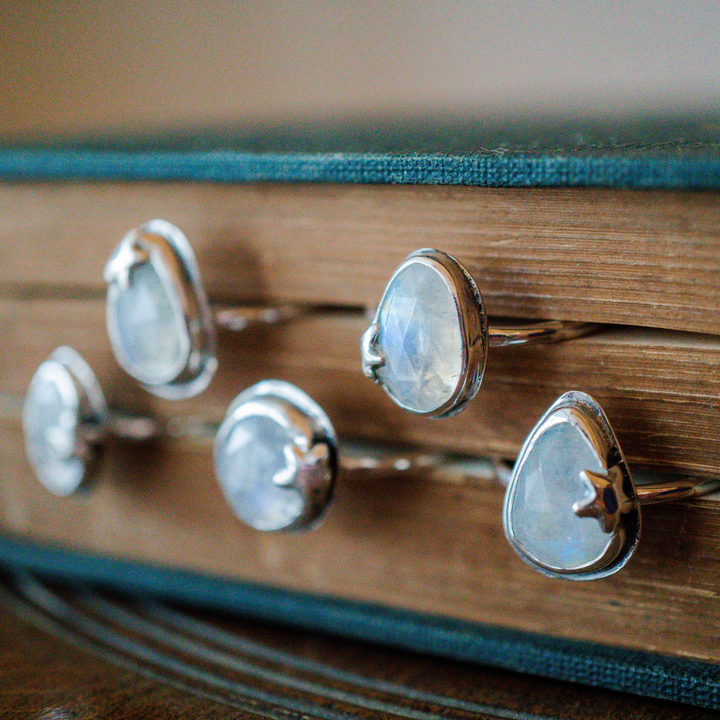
{"type": "Point", "coordinates": [544, 488]}
{"type": "Point", "coordinates": [50, 426]}
{"type": "Point", "coordinates": [252, 462]}
{"type": "Point", "coordinates": [149, 338]}
{"type": "Point", "coordinates": [420, 337]}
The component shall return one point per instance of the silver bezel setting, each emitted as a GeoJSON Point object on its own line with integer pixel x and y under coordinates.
{"type": "Point", "coordinates": [588, 417]}
{"type": "Point", "coordinates": [473, 327]}
{"type": "Point", "coordinates": [167, 249]}
{"type": "Point", "coordinates": [289, 406]}
{"type": "Point", "coordinates": [88, 414]}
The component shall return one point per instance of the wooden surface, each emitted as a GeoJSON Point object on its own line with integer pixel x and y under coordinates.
{"type": "Point", "coordinates": [85, 67]}
{"type": "Point", "coordinates": [404, 542]}
{"type": "Point", "coordinates": [621, 257]}
{"type": "Point", "coordinates": [660, 389]}
{"type": "Point", "coordinates": [631, 259]}
{"type": "Point", "coordinates": [78, 654]}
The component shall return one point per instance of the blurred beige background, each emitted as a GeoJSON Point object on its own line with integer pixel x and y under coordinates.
{"type": "Point", "coordinates": [87, 66]}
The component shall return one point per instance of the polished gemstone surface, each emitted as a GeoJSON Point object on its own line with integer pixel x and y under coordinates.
{"type": "Point", "coordinates": [421, 339]}
{"type": "Point", "coordinates": [256, 466]}
{"type": "Point", "coordinates": [546, 485]}
{"type": "Point", "coordinates": [50, 425]}
{"type": "Point", "coordinates": [150, 338]}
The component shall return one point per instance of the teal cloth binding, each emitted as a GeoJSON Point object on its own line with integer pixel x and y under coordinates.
{"type": "Point", "coordinates": [641, 673]}
{"type": "Point", "coordinates": [649, 153]}
{"type": "Point", "coordinates": [482, 170]}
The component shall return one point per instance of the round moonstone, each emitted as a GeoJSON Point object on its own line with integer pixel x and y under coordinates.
{"type": "Point", "coordinates": [150, 340]}
{"type": "Point", "coordinates": [545, 487]}
{"type": "Point", "coordinates": [50, 425]}
{"type": "Point", "coordinates": [252, 465]}
{"type": "Point", "coordinates": [421, 339]}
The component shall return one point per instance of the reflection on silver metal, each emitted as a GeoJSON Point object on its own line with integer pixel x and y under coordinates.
{"type": "Point", "coordinates": [64, 422]}
{"type": "Point", "coordinates": [571, 507]}
{"type": "Point", "coordinates": [158, 318]}
{"type": "Point", "coordinates": [427, 344]}
{"type": "Point", "coordinates": [276, 458]}
{"type": "Point", "coordinates": [241, 318]}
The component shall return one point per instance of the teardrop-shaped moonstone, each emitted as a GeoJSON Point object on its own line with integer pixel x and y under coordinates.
{"type": "Point", "coordinates": [545, 486]}
{"type": "Point", "coordinates": [50, 425]}
{"type": "Point", "coordinates": [150, 335]}
{"type": "Point", "coordinates": [421, 339]}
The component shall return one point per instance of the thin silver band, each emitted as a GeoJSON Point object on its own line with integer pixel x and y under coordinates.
{"type": "Point", "coordinates": [680, 489]}
{"type": "Point", "coordinates": [547, 331]}
{"type": "Point", "coordinates": [240, 318]}
{"type": "Point", "coordinates": [358, 457]}
{"type": "Point", "coordinates": [649, 492]}
{"type": "Point", "coordinates": [133, 427]}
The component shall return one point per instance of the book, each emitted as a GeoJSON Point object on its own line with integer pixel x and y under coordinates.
{"type": "Point", "coordinates": [625, 235]}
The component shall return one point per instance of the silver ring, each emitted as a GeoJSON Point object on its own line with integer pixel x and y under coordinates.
{"type": "Point", "coordinates": [161, 327]}
{"type": "Point", "coordinates": [572, 509]}
{"type": "Point", "coordinates": [158, 318]}
{"type": "Point", "coordinates": [276, 458]}
{"type": "Point", "coordinates": [64, 422]}
{"type": "Point", "coordinates": [427, 344]}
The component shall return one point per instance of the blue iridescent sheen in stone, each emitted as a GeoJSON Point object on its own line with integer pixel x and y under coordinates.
{"type": "Point", "coordinates": [421, 339]}
{"type": "Point", "coordinates": [255, 467]}
{"type": "Point", "coordinates": [149, 337]}
{"type": "Point", "coordinates": [50, 427]}
{"type": "Point", "coordinates": [547, 485]}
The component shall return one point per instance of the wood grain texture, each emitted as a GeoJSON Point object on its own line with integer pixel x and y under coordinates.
{"type": "Point", "coordinates": [403, 541]}
{"type": "Point", "coordinates": [117, 658]}
{"type": "Point", "coordinates": [407, 542]}
{"type": "Point", "coordinates": [661, 390]}
{"type": "Point", "coordinates": [639, 259]}
{"type": "Point", "coordinates": [623, 257]}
